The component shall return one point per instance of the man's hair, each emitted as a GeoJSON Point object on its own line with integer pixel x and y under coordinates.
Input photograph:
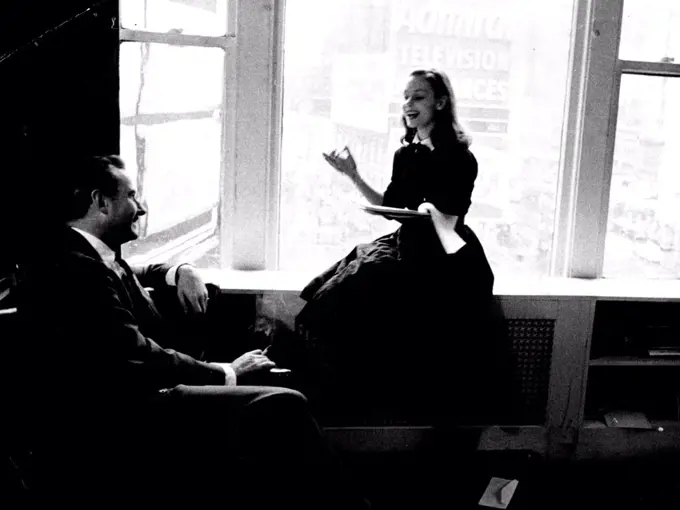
{"type": "Point", "coordinates": [86, 175]}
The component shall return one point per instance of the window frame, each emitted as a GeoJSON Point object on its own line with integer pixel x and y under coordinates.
{"type": "Point", "coordinates": [228, 43]}
{"type": "Point", "coordinates": [253, 111]}
{"type": "Point", "coordinates": [587, 256]}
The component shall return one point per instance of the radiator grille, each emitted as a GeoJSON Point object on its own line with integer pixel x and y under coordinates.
{"type": "Point", "coordinates": [531, 346]}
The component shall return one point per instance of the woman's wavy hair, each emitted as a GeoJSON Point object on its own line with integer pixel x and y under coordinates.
{"type": "Point", "coordinates": [446, 128]}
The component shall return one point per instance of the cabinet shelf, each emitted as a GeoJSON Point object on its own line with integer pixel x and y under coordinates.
{"type": "Point", "coordinates": [666, 425]}
{"type": "Point", "coordinates": [635, 361]}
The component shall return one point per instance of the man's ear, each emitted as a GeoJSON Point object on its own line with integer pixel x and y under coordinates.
{"type": "Point", "coordinates": [99, 201]}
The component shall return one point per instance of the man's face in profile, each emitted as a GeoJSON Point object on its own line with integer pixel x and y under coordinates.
{"type": "Point", "coordinates": [124, 210]}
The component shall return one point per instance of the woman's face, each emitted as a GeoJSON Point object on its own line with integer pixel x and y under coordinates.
{"type": "Point", "coordinates": [419, 105]}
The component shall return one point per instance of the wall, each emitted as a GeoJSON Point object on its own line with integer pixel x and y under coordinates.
{"type": "Point", "coordinates": [58, 70]}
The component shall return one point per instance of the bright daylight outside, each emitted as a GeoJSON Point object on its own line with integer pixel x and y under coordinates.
{"type": "Point", "coordinates": [345, 63]}
{"type": "Point", "coordinates": [171, 129]}
{"type": "Point", "coordinates": [344, 76]}
{"type": "Point", "coordinates": [643, 231]}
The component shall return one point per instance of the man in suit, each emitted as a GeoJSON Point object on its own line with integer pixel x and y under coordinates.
{"type": "Point", "coordinates": [115, 407]}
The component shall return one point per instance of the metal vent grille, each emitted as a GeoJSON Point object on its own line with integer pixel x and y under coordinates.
{"type": "Point", "coordinates": [531, 341]}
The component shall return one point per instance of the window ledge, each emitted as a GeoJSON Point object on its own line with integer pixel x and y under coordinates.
{"type": "Point", "coordinates": [257, 282]}
{"type": "Point", "coordinates": [275, 282]}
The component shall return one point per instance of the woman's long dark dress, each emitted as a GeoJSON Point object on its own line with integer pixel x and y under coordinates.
{"type": "Point", "coordinates": [396, 325]}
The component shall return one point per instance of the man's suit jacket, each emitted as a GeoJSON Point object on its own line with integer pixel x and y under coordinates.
{"type": "Point", "coordinates": [91, 331]}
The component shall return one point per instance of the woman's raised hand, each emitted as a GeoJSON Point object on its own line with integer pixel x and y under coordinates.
{"type": "Point", "coordinates": [343, 162]}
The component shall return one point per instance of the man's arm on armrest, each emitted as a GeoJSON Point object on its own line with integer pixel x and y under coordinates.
{"type": "Point", "coordinates": [155, 276]}
{"type": "Point", "coordinates": [93, 311]}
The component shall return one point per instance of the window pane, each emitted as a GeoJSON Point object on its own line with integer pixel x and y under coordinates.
{"type": "Point", "coordinates": [194, 17]}
{"type": "Point", "coordinates": [171, 141]}
{"type": "Point", "coordinates": [174, 79]}
{"type": "Point", "coordinates": [643, 231]}
{"type": "Point", "coordinates": [343, 80]}
{"type": "Point", "coordinates": [650, 31]}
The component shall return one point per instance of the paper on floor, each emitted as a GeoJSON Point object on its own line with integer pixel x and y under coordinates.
{"type": "Point", "coordinates": [498, 493]}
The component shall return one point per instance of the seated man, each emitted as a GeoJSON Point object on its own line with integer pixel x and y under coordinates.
{"type": "Point", "coordinates": [115, 408]}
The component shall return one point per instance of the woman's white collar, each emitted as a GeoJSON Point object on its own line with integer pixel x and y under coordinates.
{"type": "Point", "coordinates": [427, 142]}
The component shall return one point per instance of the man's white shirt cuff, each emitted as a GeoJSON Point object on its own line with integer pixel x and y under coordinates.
{"type": "Point", "coordinates": [171, 275]}
{"type": "Point", "coordinates": [229, 373]}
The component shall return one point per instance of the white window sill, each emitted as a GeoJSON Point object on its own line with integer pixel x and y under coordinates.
{"type": "Point", "coordinates": [275, 282]}
{"type": "Point", "coordinates": [257, 282]}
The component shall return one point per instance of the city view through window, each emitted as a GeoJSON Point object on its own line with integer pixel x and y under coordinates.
{"type": "Point", "coordinates": [345, 63]}
{"type": "Point", "coordinates": [343, 85]}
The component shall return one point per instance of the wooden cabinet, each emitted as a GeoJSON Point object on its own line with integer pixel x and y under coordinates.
{"type": "Point", "coordinates": [634, 362]}
{"type": "Point", "coordinates": [606, 356]}
{"type": "Point", "coordinates": [630, 374]}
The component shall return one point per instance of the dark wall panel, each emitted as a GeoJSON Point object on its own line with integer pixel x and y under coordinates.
{"type": "Point", "coordinates": [59, 97]}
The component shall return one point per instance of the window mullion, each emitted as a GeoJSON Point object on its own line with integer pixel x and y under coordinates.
{"type": "Point", "coordinates": [273, 182]}
{"type": "Point", "coordinates": [227, 223]}
{"type": "Point", "coordinates": [245, 220]}
{"type": "Point", "coordinates": [571, 139]}
{"type": "Point", "coordinates": [594, 171]}
{"type": "Point", "coordinates": [228, 174]}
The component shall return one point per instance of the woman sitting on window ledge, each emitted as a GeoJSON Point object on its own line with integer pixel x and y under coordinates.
{"type": "Point", "coordinates": [399, 321]}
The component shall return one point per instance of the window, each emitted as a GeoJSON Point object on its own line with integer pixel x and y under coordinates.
{"type": "Point", "coordinates": [643, 226]}
{"type": "Point", "coordinates": [643, 232]}
{"type": "Point", "coordinates": [343, 77]}
{"type": "Point", "coordinates": [650, 31]}
{"type": "Point", "coordinates": [171, 134]}
{"type": "Point", "coordinates": [569, 104]}
{"type": "Point", "coordinates": [195, 17]}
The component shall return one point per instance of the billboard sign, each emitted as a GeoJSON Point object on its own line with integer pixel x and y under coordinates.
{"type": "Point", "coordinates": [471, 42]}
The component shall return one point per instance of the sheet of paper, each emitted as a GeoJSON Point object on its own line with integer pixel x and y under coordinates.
{"type": "Point", "coordinates": [451, 241]}
{"type": "Point", "coordinates": [498, 493]}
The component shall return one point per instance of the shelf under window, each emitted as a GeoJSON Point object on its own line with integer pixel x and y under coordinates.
{"type": "Point", "coordinates": [665, 425]}
{"type": "Point", "coordinates": [634, 361]}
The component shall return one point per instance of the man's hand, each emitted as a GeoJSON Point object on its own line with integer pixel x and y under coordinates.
{"type": "Point", "coordinates": [251, 362]}
{"type": "Point", "coordinates": [191, 291]}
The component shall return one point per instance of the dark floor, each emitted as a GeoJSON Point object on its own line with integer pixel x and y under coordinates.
{"type": "Point", "coordinates": [422, 481]}
{"type": "Point", "coordinates": [415, 481]}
